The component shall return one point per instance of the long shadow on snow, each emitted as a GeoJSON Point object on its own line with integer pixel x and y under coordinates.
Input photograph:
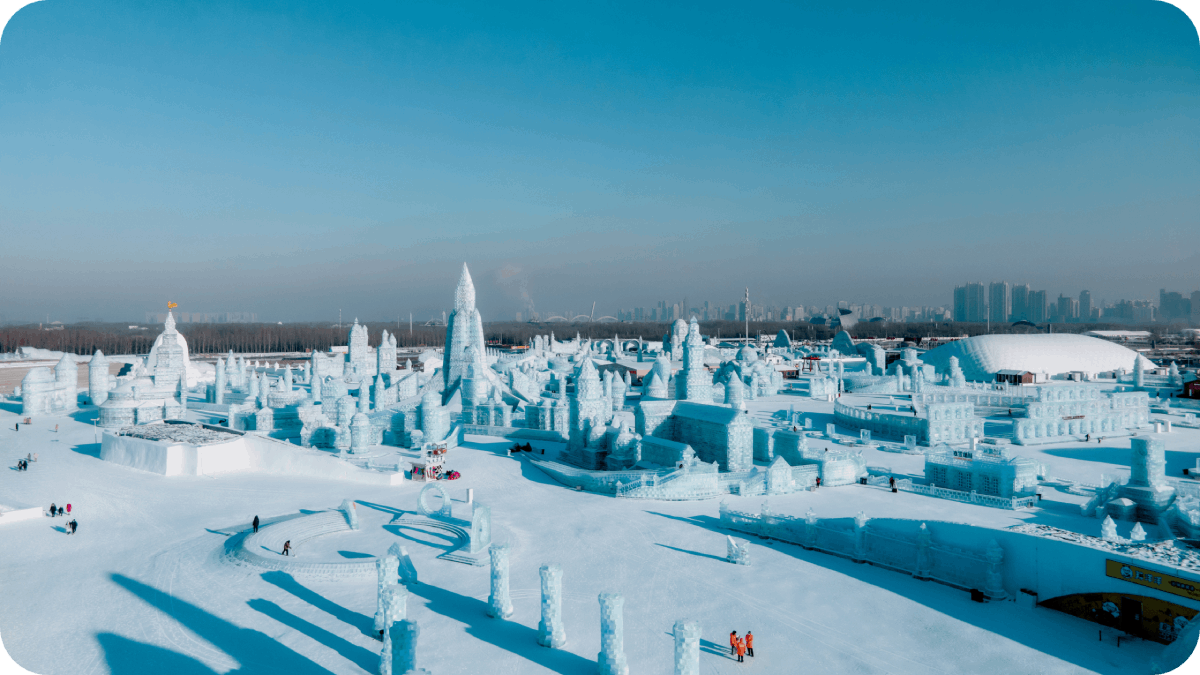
{"type": "Point", "coordinates": [1176, 461]}
{"type": "Point", "coordinates": [89, 449]}
{"type": "Point", "coordinates": [285, 581]}
{"type": "Point", "coordinates": [360, 656]}
{"type": "Point", "coordinates": [507, 635]}
{"type": "Point", "coordinates": [256, 652]}
{"type": "Point", "coordinates": [945, 599]}
{"type": "Point", "coordinates": [451, 541]}
{"type": "Point", "coordinates": [696, 553]}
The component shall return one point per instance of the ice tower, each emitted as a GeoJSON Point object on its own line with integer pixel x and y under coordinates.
{"type": "Point", "coordinates": [463, 328]}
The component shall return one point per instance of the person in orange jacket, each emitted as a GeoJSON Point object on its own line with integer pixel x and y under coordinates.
{"type": "Point", "coordinates": [750, 644]}
{"type": "Point", "coordinates": [733, 640]}
{"type": "Point", "coordinates": [741, 650]}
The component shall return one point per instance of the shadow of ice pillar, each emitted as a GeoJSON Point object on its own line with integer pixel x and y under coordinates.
{"type": "Point", "coordinates": [687, 647]}
{"type": "Point", "coordinates": [551, 632]}
{"type": "Point", "coordinates": [611, 660]}
{"type": "Point", "coordinates": [499, 604]}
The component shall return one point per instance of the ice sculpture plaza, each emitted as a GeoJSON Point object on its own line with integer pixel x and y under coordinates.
{"type": "Point", "coordinates": [618, 505]}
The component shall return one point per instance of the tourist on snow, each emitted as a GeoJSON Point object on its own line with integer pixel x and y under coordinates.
{"type": "Point", "coordinates": [733, 640]}
{"type": "Point", "coordinates": [287, 546]}
{"type": "Point", "coordinates": [53, 510]}
{"type": "Point", "coordinates": [74, 526]}
{"type": "Point", "coordinates": [255, 523]}
{"type": "Point", "coordinates": [68, 509]}
{"type": "Point", "coordinates": [60, 511]}
{"type": "Point", "coordinates": [750, 643]}
{"type": "Point", "coordinates": [740, 647]}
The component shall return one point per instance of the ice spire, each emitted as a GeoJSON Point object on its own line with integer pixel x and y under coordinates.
{"type": "Point", "coordinates": [170, 323]}
{"type": "Point", "coordinates": [464, 295]}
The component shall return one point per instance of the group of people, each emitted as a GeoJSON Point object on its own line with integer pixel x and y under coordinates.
{"type": "Point", "coordinates": [740, 647]}
{"type": "Point", "coordinates": [23, 464]}
{"type": "Point", "coordinates": [56, 510]}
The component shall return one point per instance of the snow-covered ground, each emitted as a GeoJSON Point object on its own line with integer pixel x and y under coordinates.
{"type": "Point", "coordinates": [144, 586]}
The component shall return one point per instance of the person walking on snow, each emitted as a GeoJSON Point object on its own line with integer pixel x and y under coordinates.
{"type": "Point", "coordinates": [287, 546]}
{"type": "Point", "coordinates": [733, 640]}
{"type": "Point", "coordinates": [53, 509]}
{"type": "Point", "coordinates": [750, 644]}
{"type": "Point", "coordinates": [75, 525]}
{"type": "Point", "coordinates": [255, 523]}
{"type": "Point", "coordinates": [68, 510]}
{"type": "Point", "coordinates": [741, 650]}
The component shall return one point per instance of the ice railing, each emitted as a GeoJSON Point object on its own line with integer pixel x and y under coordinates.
{"type": "Point", "coordinates": [649, 480]}
{"type": "Point", "coordinates": [918, 556]}
{"type": "Point", "coordinates": [972, 497]}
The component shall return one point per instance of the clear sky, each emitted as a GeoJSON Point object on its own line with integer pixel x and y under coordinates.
{"type": "Point", "coordinates": [294, 158]}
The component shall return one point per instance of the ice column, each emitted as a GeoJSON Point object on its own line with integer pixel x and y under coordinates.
{"type": "Point", "coordinates": [499, 604]}
{"type": "Point", "coordinates": [611, 660]}
{"type": "Point", "coordinates": [386, 569]}
{"type": "Point", "coordinates": [687, 647]}
{"type": "Point", "coordinates": [219, 385]}
{"type": "Point", "coordinates": [1139, 373]}
{"type": "Point", "coordinates": [287, 379]}
{"type": "Point", "coordinates": [551, 632]}
{"type": "Point", "coordinates": [404, 636]}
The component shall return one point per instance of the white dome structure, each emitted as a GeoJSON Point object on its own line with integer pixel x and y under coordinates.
{"type": "Point", "coordinates": [982, 356]}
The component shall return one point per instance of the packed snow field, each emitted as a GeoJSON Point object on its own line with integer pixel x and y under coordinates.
{"type": "Point", "coordinates": [145, 585]}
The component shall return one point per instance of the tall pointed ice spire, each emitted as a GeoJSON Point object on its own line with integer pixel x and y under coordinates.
{"type": "Point", "coordinates": [464, 295]}
{"type": "Point", "coordinates": [170, 323]}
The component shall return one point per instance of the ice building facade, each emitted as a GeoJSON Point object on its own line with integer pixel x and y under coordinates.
{"type": "Point", "coordinates": [714, 432]}
{"type": "Point", "coordinates": [1075, 410]}
{"type": "Point", "coordinates": [986, 470]}
{"type": "Point", "coordinates": [933, 422]}
{"type": "Point", "coordinates": [157, 387]}
{"type": "Point", "coordinates": [45, 393]}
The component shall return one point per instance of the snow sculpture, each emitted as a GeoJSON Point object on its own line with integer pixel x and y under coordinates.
{"type": "Point", "coordinates": [1139, 373]}
{"type": "Point", "coordinates": [810, 529]}
{"type": "Point", "coordinates": [735, 393]}
{"type": "Point", "coordinates": [351, 512]}
{"type": "Point", "coordinates": [1173, 375]}
{"type": "Point", "coordinates": [551, 632]}
{"type": "Point", "coordinates": [406, 570]}
{"type": "Point", "coordinates": [499, 603]}
{"type": "Point", "coordinates": [98, 378]}
{"type": "Point", "coordinates": [860, 539]}
{"type": "Point", "coordinates": [404, 636]}
{"type": "Point", "coordinates": [446, 508]}
{"type": "Point", "coordinates": [957, 379]}
{"type": "Point", "coordinates": [1108, 529]}
{"type": "Point", "coordinates": [360, 432]}
{"type": "Point", "coordinates": [1138, 533]}
{"type": "Point", "coordinates": [687, 643]}
{"type": "Point", "coordinates": [924, 559]}
{"type": "Point", "coordinates": [611, 659]}
{"type": "Point", "coordinates": [481, 528]}
{"type": "Point", "coordinates": [737, 553]}
{"type": "Point", "coordinates": [994, 588]}
{"type": "Point", "coordinates": [386, 569]}
{"type": "Point", "coordinates": [464, 328]}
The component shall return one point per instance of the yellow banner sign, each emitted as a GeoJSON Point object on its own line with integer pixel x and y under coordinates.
{"type": "Point", "coordinates": [1144, 577]}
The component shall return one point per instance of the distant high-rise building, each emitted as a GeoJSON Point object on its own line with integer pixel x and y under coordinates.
{"type": "Point", "coordinates": [999, 302]}
{"type": "Point", "coordinates": [1019, 298]}
{"type": "Point", "coordinates": [970, 303]}
{"type": "Point", "coordinates": [1067, 309]}
{"type": "Point", "coordinates": [1085, 305]}
{"type": "Point", "coordinates": [1173, 305]}
{"type": "Point", "coordinates": [1036, 306]}
{"type": "Point", "coordinates": [1196, 308]}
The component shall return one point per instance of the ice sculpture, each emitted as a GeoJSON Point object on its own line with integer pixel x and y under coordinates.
{"type": "Point", "coordinates": [98, 378]}
{"type": "Point", "coordinates": [445, 510]}
{"type": "Point", "coordinates": [407, 571]}
{"type": "Point", "coordinates": [481, 528]}
{"type": "Point", "coordinates": [386, 569]}
{"type": "Point", "coordinates": [1173, 375]}
{"type": "Point", "coordinates": [351, 513]}
{"type": "Point", "coordinates": [499, 603]}
{"type": "Point", "coordinates": [737, 553]}
{"type": "Point", "coordinates": [360, 432]}
{"type": "Point", "coordinates": [687, 643]}
{"type": "Point", "coordinates": [551, 632]}
{"type": "Point", "coordinates": [1138, 533]}
{"type": "Point", "coordinates": [1108, 529]}
{"type": "Point", "coordinates": [464, 328]}
{"type": "Point", "coordinates": [1139, 373]}
{"type": "Point", "coordinates": [611, 659]}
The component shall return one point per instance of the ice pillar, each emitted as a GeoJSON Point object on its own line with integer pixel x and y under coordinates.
{"type": "Point", "coordinates": [219, 385]}
{"type": "Point", "coordinates": [387, 569]}
{"type": "Point", "coordinates": [499, 604]}
{"type": "Point", "coordinates": [404, 636]}
{"type": "Point", "coordinates": [687, 647]}
{"type": "Point", "coordinates": [611, 659]}
{"type": "Point", "coordinates": [551, 632]}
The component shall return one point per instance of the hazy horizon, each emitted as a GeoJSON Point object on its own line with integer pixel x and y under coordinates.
{"type": "Point", "coordinates": [294, 159]}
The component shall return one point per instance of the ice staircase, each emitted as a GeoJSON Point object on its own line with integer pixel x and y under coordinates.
{"type": "Point", "coordinates": [263, 549]}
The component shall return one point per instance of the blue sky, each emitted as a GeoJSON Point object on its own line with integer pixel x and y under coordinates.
{"type": "Point", "coordinates": [293, 159]}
